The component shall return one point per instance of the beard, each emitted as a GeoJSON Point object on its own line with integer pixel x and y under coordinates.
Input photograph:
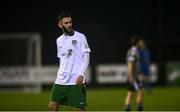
{"type": "Point", "coordinates": [68, 31]}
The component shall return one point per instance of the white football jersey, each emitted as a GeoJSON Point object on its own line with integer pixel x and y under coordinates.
{"type": "Point", "coordinates": [133, 56]}
{"type": "Point", "coordinates": [70, 51]}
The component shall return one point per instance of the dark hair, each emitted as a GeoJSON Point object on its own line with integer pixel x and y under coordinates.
{"type": "Point", "coordinates": [63, 15]}
{"type": "Point", "coordinates": [135, 39]}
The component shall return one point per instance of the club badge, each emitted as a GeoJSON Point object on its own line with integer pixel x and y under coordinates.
{"type": "Point", "coordinates": [74, 42]}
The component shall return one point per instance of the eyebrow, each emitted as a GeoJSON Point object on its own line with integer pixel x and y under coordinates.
{"type": "Point", "coordinates": [68, 22]}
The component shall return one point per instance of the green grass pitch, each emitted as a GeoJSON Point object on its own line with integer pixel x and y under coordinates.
{"type": "Point", "coordinates": [101, 99]}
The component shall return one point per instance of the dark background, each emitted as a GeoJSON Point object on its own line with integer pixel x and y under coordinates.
{"type": "Point", "coordinates": [108, 26]}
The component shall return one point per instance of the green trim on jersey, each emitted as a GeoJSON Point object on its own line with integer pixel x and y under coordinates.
{"type": "Point", "coordinates": [72, 95]}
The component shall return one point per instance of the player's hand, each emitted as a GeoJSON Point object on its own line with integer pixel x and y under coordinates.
{"type": "Point", "coordinates": [80, 80]}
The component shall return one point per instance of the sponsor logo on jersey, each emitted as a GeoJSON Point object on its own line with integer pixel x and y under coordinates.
{"type": "Point", "coordinates": [69, 52]}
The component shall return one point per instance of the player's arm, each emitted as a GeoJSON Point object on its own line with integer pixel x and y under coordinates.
{"type": "Point", "coordinates": [131, 66]}
{"type": "Point", "coordinates": [83, 68]}
{"type": "Point", "coordinates": [85, 51]}
{"type": "Point", "coordinates": [131, 71]}
{"type": "Point", "coordinates": [85, 64]}
{"type": "Point", "coordinates": [58, 50]}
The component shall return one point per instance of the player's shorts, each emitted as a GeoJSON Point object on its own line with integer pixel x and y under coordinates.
{"type": "Point", "coordinates": [72, 95]}
{"type": "Point", "coordinates": [137, 85]}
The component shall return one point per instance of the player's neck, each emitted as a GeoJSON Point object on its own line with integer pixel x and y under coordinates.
{"type": "Point", "coordinates": [69, 34]}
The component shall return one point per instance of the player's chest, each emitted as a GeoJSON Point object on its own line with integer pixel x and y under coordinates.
{"type": "Point", "coordinates": [69, 44]}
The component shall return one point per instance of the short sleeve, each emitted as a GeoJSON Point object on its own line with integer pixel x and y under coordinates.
{"type": "Point", "coordinates": [132, 56]}
{"type": "Point", "coordinates": [84, 45]}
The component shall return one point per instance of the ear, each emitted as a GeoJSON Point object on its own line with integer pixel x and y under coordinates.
{"type": "Point", "coordinates": [60, 24]}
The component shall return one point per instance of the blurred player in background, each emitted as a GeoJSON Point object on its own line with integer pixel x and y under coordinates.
{"type": "Point", "coordinates": [73, 53]}
{"type": "Point", "coordinates": [134, 84]}
{"type": "Point", "coordinates": [144, 66]}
